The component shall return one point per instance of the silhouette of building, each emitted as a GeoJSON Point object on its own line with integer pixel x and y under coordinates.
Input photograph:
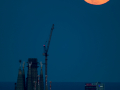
{"type": "Point", "coordinates": [89, 86]}
{"type": "Point", "coordinates": [94, 86]}
{"type": "Point", "coordinates": [32, 80]}
{"type": "Point", "coordinates": [100, 86]}
{"type": "Point", "coordinates": [20, 82]}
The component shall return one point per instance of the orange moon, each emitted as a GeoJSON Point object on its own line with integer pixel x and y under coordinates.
{"type": "Point", "coordinates": [96, 2]}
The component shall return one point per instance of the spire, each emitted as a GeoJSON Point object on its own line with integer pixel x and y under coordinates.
{"type": "Point", "coordinates": [30, 65]}
{"type": "Point", "coordinates": [32, 73]}
{"type": "Point", "coordinates": [23, 64]}
{"type": "Point", "coordinates": [41, 78]}
{"type": "Point", "coordinates": [41, 64]}
{"type": "Point", "coordinates": [33, 65]}
{"type": "Point", "coordinates": [20, 85]}
{"type": "Point", "coordinates": [23, 75]}
{"type": "Point", "coordinates": [29, 78]}
{"type": "Point", "coordinates": [26, 84]}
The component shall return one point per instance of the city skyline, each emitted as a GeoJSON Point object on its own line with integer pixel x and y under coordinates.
{"type": "Point", "coordinates": [84, 45]}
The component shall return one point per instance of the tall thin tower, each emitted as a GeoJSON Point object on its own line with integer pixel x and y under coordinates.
{"type": "Point", "coordinates": [20, 83]}
{"type": "Point", "coordinates": [33, 69]}
{"type": "Point", "coordinates": [23, 75]}
{"type": "Point", "coordinates": [41, 78]}
{"type": "Point", "coordinates": [29, 77]}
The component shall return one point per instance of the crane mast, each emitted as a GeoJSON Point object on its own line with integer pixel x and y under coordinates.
{"type": "Point", "coordinates": [45, 54]}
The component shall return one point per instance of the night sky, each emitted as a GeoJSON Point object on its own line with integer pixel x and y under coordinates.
{"type": "Point", "coordinates": [85, 43]}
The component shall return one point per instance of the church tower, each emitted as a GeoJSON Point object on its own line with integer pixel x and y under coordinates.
{"type": "Point", "coordinates": [29, 77]}
{"type": "Point", "coordinates": [20, 83]}
{"type": "Point", "coordinates": [41, 78]}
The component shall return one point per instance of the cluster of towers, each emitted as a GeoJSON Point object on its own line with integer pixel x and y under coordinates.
{"type": "Point", "coordinates": [33, 80]}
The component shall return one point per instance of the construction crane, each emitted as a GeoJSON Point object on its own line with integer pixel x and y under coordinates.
{"type": "Point", "coordinates": [45, 54]}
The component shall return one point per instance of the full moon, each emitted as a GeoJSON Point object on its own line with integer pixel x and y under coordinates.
{"type": "Point", "coordinates": [96, 2]}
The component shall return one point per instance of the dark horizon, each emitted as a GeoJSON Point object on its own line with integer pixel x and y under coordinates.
{"type": "Point", "coordinates": [68, 86]}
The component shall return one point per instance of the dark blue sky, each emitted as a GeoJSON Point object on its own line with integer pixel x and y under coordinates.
{"type": "Point", "coordinates": [85, 43]}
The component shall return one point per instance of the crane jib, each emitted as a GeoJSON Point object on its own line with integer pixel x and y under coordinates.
{"type": "Point", "coordinates": [46, 48]}
{"type": "Point", "coordinates": [45, 52]}
{"type": "Point", "coordinates": [50, 38]}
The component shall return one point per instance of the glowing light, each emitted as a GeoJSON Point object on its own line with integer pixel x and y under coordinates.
{"type": "Point", "coordinates": [96, 2]}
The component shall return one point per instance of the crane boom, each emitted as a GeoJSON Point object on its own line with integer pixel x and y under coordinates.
{"type": "Point", "coordinates": [50, 37]}
{"type": "Point", "coordinates": [45, 54]}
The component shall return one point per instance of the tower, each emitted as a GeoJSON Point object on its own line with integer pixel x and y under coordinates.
{"type": "Point", "coordinates": [23, 73]}
{"type": "Point", "coordinates": [41, 78]}
{"type": "Point", "coordinates": [20, 83]}
{"type": "Point", "coordinates": [29, 78]}
{"type": "Point", "coordinates": [26, 84]}
{"type": "Point", "coordinates": [33, 69]}
{"type": "Point", "coordinates": [38, 87]}
{"type": "Point", "coordinates": [32, 72]}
